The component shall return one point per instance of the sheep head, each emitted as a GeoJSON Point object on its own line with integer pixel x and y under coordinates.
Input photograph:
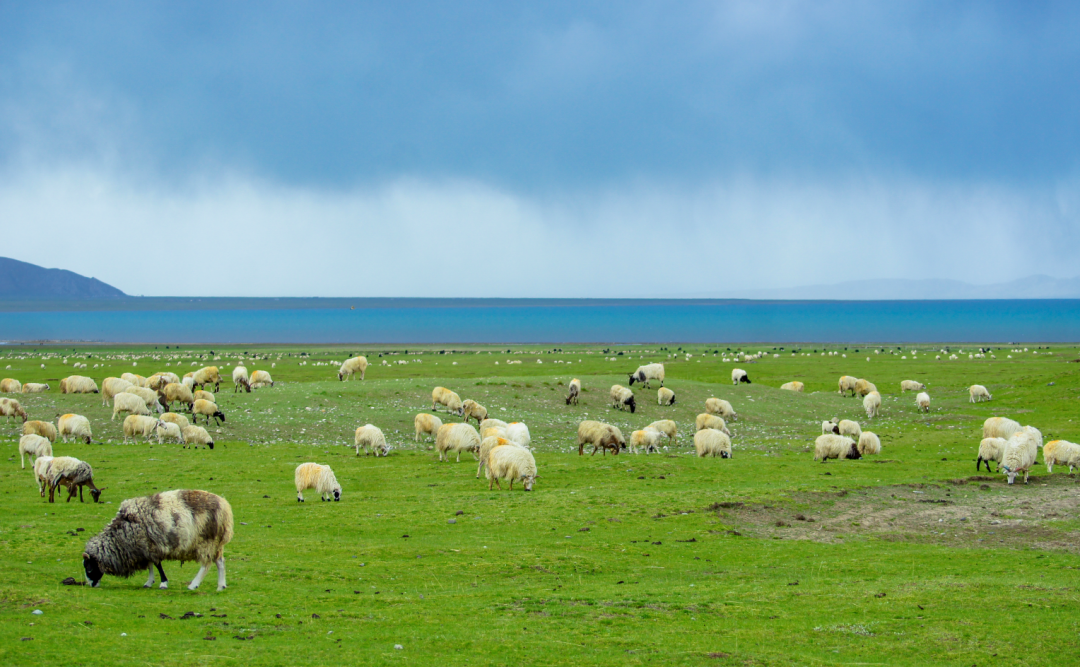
{"type": "Point", "coordinates": [93, 570]}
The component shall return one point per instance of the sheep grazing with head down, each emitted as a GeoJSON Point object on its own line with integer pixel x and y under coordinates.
{"type": "Point", "coordinates": [129, 403]}
{"type": "Point", "coordinates": [622, 398]}
{"type": "Point", "coordinates": [864, 387]}
{"type": "Point", "coordinates": [835, 447]}
{"type": "Point", "coordinates": [977, 393]}
{"type": "Point", "coordinates": [705, 420]}
{"type": "Point", "coordinates": [511, 463]}
{"type": "Point", "coordinates": [711, 442]}
{"type": "Point", "coordinates": [35, 388]}
{"type": "Point", "coordinates": [847, 384]}
{"type": "Point", "coordinates": [73, 474]}
{"type": "Point", "coordinates": [830, 427]}
{"type": "Point", "coordinates": [78, 384]}
{"type": "Point", "coordinates": [168, 431]}
{"type": "Point", "coordinates": [519, 433]}
{"type": "Point", "coordinates": [739, 375]}
{"type": "Point", "coordinates": [473, 410]}
{"type": "Point", "coordinates": [445, 397]}
{"type": "Point", "coordinates": [575, 390]}
{"type": "Point", "coordinates": [1060, 451]}
{"type": "Point", "coordinates": [665, 396]}
{"type": "Point", "coordinates": [44, 429]}
{"type": "Point", "coordinates": [195, 436]}
{"type": "Point", "coordinates": [176, 392]}
{"type": "Point", "coordinates": [371, 438]}
{"type": "Point", "coordinates": [260, 379]}
{"type": "Point", "coordinates": [1000, 427]}
{"type": "Point", "coordinates": [10, 386]}
{"type": "Point", "coordinates": [872, 404]}
{"type": "Point", "coordinates": [241, 379]}
{"type": "Point", "coordinates": [204, 395]}
{"type": "Point", "coordinates": [720, 407]}
{"type": "Point", "coordinates": [456, 438]}
{"type": "Point", "coordinates": [183, 525]}
{"type": "Point", "coordinates": [794, 385]}
{"type": "Point", "coordinates": [41, 473]}
{"type": "Point", "coordinates": [173, 418]}
{"type": "Point", "coordinates": [150, 397]}
{"type": "Point", "coordinates": [648, 439]}
{"type": "Point", "coordinates": [349, 367]}
{"type": "Point", "coordinates": [34, 446]}
{"type": "Point", "coordinates": [74, 426]}
{"type": "Point", "coordinates": [111, 386]}
{"type": "Point", "coordinates": [207, 409]}
{"type": "Point", "coordinates": [990, 449]}
{"type": "Point", "coordinates": [911, 385]}
{"type": "Point", "coordinates": [318, 477]}
{"type": "Point", "coordinates": [12, 409]}
{"type": "Point", "coordinates": [489, 443]}
{"type": "Point", "coordinates": [493, 423]}
{"type": "Point", "coordinates": [646, 373]}
{"type": "Point", "coordinates": [601, 436]}
{"type": "Point", "coordinates": [850, 428]}
{"type": "Point", "coordinates": [425, 424]}
{"type": "Point", "coordinates": [133, 378]}
{"type": "Point", "coordinates": [1020, 453]}
{"type": "Point", "coordinates": [667, 427]}
{"type": "Point", "coordinates": [869, 444]}
{"type": "Point", "coordinates": [922, 401]}
{"type": "Point", "coordinates": [139, 425]}
{"type": "Point", "coordinates": [157, 381]}
{"type": "Point", "coordinates": [206, 376]}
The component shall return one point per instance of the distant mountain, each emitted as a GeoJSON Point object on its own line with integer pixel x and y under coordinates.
{"type": "Point", "coordinates": [1032, 287]}
{"type": "Point", "coordinates": [22, 280]}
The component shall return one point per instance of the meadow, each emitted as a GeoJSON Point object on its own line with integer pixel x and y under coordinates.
{"type": "Point", "coordinates": [910, 557]}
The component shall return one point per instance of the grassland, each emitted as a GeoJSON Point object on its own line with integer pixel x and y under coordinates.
{"type": "Point", "coordinates": [769, 558]}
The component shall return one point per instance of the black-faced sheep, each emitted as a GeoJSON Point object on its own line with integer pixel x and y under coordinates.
{"type": "Point", "coordinates": [371, 437]}
{"type": "Point", "coordinates": [622, 398]}
{"type": "Point", "coordinates": [665, 396]}
{"type": "Point", "coordinates": [739, 375]}
{"type": "Point", "coordinates": [318, 477]}
{"type": "Point", "coordinates": [74, 426]}
{"type": "Point", "coordinates": [646, 373]}
{"type": "Point", "coordinates": [711, 442]}
{"type": "Point", "coordinates": [835, 447]}
{"type": "Point", "coordinates": [207, 409]}
{"type": "Point", "coordinates": [601, 436]}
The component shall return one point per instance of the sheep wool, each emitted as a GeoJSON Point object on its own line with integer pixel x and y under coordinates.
{"type": "Point", "coordinates": [911, 385]}
{"type": "Point", "coordinates": [488, 423]}
{"type": "Point", "coordinates": [718, 406]}
{"type": "Point", "coordinates": [830, 427]}
{"type": "Point", "coordinates": [371, 438]}
{"type": "Point", "coordinates": [830, 446]}
{"type": "Point", "coordinates": [195, 436]}
{"type": "Point", "coordinates": [864, 387]}
{"type": "Point", "coordinates": [1059, 451]}
{"type": "Point", "coordinates": [73, 474]}
{"type": "Point", "coordinates": [456, 438]}
{"type": "Point", "coordinates": [486, 445]}
{"type": "Point", "coordinates": [35, 388]}
{"type": "Point", "coordinates": [977, 393]}
{"type": "Point", "coordinates": [173, 418]}
{"type": "Point", "coordinates": [575, 390]}
{"type": "Point", "coordinates": [44, 429]}
{"type": "Point", "coordinates": [136, 425]}
{"type": "Point", "coordinates": [176, 392]}
{"type": "Point", "coordinates": [601, 436]}
{"type": "Point", "coordinates": [794, 385]}
{"type": "Point", "coordinates": [41, 473]}
{"type": "Point", "coordinates": [183, 525]}
{"type": "Point", "coordinates": [739, 375]}
{"type": "Point", "coordinates": [622, 398]}
{"type": "Point", "coordinates": [872, 404]}
{"type": "Point", "coordinates": [705, 420]}
{"type": "Point", "coordinates": [847, 384]}
{"type": "Point", "coordinates": [11, 408]}
{"type": "Point", "coordinates": [473, 410]}
{"type": "Point", "coordinates": [850, 428]}
{"type": "Point", "coordinates": [149, 396]}
{"type": "Point", "coordinates": [206, 376]}
{"type": "Point", "coordinates": [34, 446]}
{"type": "Point", "coordinates": [351, 366]}
{"type": "Point", "coordinates": [74, 426]}
{"type": "Point", "coordinates": [425, 424]}
{"type": "Point", "coordinates": [519, 433]}
{"type": "Point", "coordinates": [445, 397]}
{"type": "Point", "coordinates": [511, 463]}
{"type": "Point", "coordinates": [207, 409]}
{"type": "Point", "coordinates": [711, 442]}
{"type": "Point", "coordinates": [647, 438]}
{"type": "Point", "coordinates": [1000, 427]}
{"type": "Point", "coordinates": [667, 427]}
{"type": "Point", "coordinates": [260, 379]}
{"type": "Point", "coordinates": [78, 384]}
{"type": "Point", "coordinates": [241, 379]}
{"type": "Point", "coordinates": [111, 386]}
{"type": "Point", "coordinates": [922, 401]}
{"type": "Point", "coordinates": [134, 379]}
{"type": "Point", "coordinates": [665, 396]}
{"type": "Point", "coordinates": [168, 431]}
{"type": "Point", "coordinates": [1019, 457]}
{"type": "Point", "coordinates": [318, 477]}
{"type": "Point", "coordinates": [10, 386]}
{"type": "Point", "coordinates": [869, 444]}
{"type": "Point", "coordinates": [646, 373]}
{"type": "Point", "coordinates": [130, 403]}
{"type": "Point", "coordinates": [204, 395]}
{"type": "Point", "coordinates": [991, 449]}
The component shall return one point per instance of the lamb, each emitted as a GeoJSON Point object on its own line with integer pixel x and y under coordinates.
{"type": "Point", "coordinates": [474, 410]}
{"type": "Point", "coordinates": [665, 396]}
{"type": "Point", "coordinates": [112, 386]}
{"type": "Point", "coordinates": [426, 424]}
{"type": "Point", "coordinates": [512, 463]}
{"type": "Point", "coordinates": [718, 406]}
{"type": "Point", "coordinates": [835, 447]}
{"type": "Point", "coordinates": [519, 433]}
{"type": "Point", "coordinates": [78, 384]}
{"type": "Point", "coordinates": [646, 373]}
{"type": "Point", "coordinates": [175, 391]}
{"type": "Point", "coordinates": [872, 404]}
{"type": "Point", "coordinates": [911, 385]}
{"type": "Point", "coordinates": [647, 438]}
{"type": "Point", "coordinates": [125, 402]}
{"type": "Point", "coordinates": [739, 375]}
{"type": "Point", "coordinates": [75, 426]}
{"type": "Point", "coordinates": [456, 438]}
{"type": "Point", "coordinates": [41, 473]}
{"type": "Point", "coordinates": [601, 436]}
{"type": "Point", "coordinates": [11, 408]}
{"type": "Point", "coordinates": [864, 387]}
{"type": "Point", "coordinates": [371, 437]}
{"type": "Point", "coordinates": [136, 425]}
{"type": "Point", "coordinates": [44, 429]}
{"type": "Point", "coordinates": [794, 385]}
{"type": "Point", "coordinates": [575, 389]}
{"type": "Point", "coordinates": [486, 445]}
{"type": "Point", "coordinates": [711, 442]}
{"type": "Point", "coordinates": [443, 396]}
{"type": "Point", "coordinates": [869, 444]}
{"type": "Point", "coordinates": [241, 380]}
{"type": "Point", "coordinates": [260, 379]}
{"type": "Point", "coordinates": [35, 388]}
{"type": "Point", "coordinates": [178, 525]}
{"type": "Point", "coordinates": [850, 428]}
{"type": "Point", "coordinates": [205, 376]}
{"type": "Point", "coordinates": [991, 449]}
{"type": "Point", "coordinates": [34, 446]}
{"type": "Point", "coordinates": [830, 427]}
{"type": "Point", "coordinates": [73, 474]}
{"type": "Point", "coordinates": [204, 395]}
{"type": "Point", "coordinates": [977, 393]}
{"type": "Point", "coordinates": [1058, 451]}
{"type": "Point", "coordinates": [351, 366]}
{"type": "Point", "coordinates": [207, 409]}
{"type": "Point", "coordinates": [667, 427]}
{"type": "Point", "coordinates": [846, 384]}
{"type": "Point", "coordinates": [621, 397]}
{"type": "Point", "coordinates": [195, 436]}
{"type": "Point", "coordinates": [10, 386]}
{"type": "Point", "coordinates": [705, 420]}
{"type": "Point", "coordinates": [1019, 456]}
{"type": "Point", "coordinates": [134, 379]}
{"type": "Point", "coordinates": [173, 418]}
{"type": "Point", "coordinates": [167, 430]}
{"type": "Point", "coordinates": [1000, 427]}
{"type": "Point", "coordinates": [922, 401]}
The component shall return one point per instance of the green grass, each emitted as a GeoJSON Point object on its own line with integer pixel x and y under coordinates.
{"type": "Point", "coordinates": [765, 559]}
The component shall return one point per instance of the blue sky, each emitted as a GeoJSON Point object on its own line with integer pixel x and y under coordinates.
{"type": "Point", "coordinates": [541, 149]}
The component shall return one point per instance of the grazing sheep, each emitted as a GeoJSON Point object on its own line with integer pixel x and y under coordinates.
{"type": "Point", "coordinates": [11, 408]}
{"type": "Point", "coordinates": [647, 438]}
{"type": "Point", "coordinates": [991, 449]}
{"type": "Point", "coordinates": [195, 436]}
{"type": "Point", "coordinates": [718, 406]}
{"type": "Point", "coordinates": [850, 428]}
{"type": "Point", "coordinates": [158, 380]}
{"type": "Point", "coordinates": [125, 402]}
{"type": "Point", "coordinates": [41, 473]}
{"type": "Point", "coordinates": [601, 436]}
{"type": "Point", "coordinates": [183, 525]}
{"type": "Point", "coordinates": [472, 409]}
{"type": "Point", "coordinates": [922, 401]}
{"type": "Point", "coordinates": [133, 378]}
{"type": "Point", "coordinates": [667, 427]}
{"type": "Point", "coordinates": [621, 397]}
{"type": "Point", "coordinates": [665, 396]}
{"type": "Point", "coordinates": [73, 474]}
{"type": "Point", "coordinates": [173, 418]}
{"type": "Point", "coordinates": [351, 366]}
{"type": "Point", "coordinates": [496, 431]}
{"type": "Point", "coordinates": [78, 384]}
{"type": "Point", "coordinates": [519, 433]}
{"type": "Point", "coordinates": [188, 381]}
{"type": "Point", "coordinates": [575, 389]}
{"type": "Point", "coordinates": [44, 429]}
{"type": "Point", "coordinates": [33, 446]}
{"type": "Point", "coordinates": [456, 438]}
{"type": "Point", "coordinates": [111, 386]}
{"type": "Point", "coordinates": [445, 397]}
{"type": "Point", "coordinates": [794, 385]}
{"type": "Point", "coordinates": [847, 384]}
{"type": "Point", "coordinates": [739, 375]}
{"type": "Point", "coordinates": [830, 427]}
{"type": "Point", "coordinates": [204, 395]}
{"type": "Point", "coordinates": [260, 379]}
{"type": "Point", "coordinates": [371, 437]}
{"type": "Point", "coordinates": [835, 447]}
{"type": "Point", "coordinates": [872, 404]}
{"type": "Point", "coordinates": [1059, 451]}
{"type": "Point", "coordinates": [646, 373]}
{"type": "Point", "coordinates": [705, 420]}
{"type": "Point", "coordinates": [176, 392]}
{"type": "Point", "coordinates": [35, 388]}
{"type": "Point", "coordinates": [75, 426]}
{"type": "Point", "coordinates": [911, 385]}
{"type": "Point", "coordinates": [241, 380]}
{"type": "Point", "coordinates": [864, 387]}
{"type": "Point", "coordinates": [1000, 427]}
{"type": "Point", "coordinates": [136, 425]}
{"type": "Point", "coordinates": [486, 445]}
{"type": "Point", "coordinates": [977, 393]}
{"type": "Point", "coordinates": [511, 463]}
{"type": "Point", "coordinates": [207, 409]}
{"type": "Point", "coordinates": [318, 477]}
{"type": "Point", "coordinates": [10, 386]}
{"type": "Point", "coordinates": [489, 422]}
{"type": "Point", "coordinates": [1019, 456]}
{"type": "Point", "coordinates": [711, 442]}
{"type": "Point", "coordinates": [869, 444]}
{"type": "Point", "coordinates": [205, 376]}
{"type": "Point", "coordinates": [423, 423]}
{"type": "Point", "coordinates": [149, 396]}
{"type": "Point", "coordinates": [168, 430]}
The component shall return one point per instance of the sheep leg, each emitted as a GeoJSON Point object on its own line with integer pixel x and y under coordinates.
{"type": "Point", "coordinates": [199, 576]}
{"type": "Point", "coordinates": [149, 576]}
{"type": "Point", "coordinates": [22, 460]}
{"type": "Point", "coordinates": [164, 580]}
{"type": "Point", "coordinates": [299, 496]}
{"type": "Point", "coordinates": [220, 562]}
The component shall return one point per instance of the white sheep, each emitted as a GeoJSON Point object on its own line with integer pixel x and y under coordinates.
{"type": "Point", "coordinates": [149, 396]}
{"type": "Point", "coordinates": [78, 384]}
{"type": "Point", "coordinates": [490, 422]}
{"type": "Point", "coordinates": [711, 442]}
{"type": "Point", "coordinates": [456, 438]}
{"type": "Point", "coordinates": [648, 439]}
{"type": "Point", "coordinates": [864, 387]}
{"type": "Point", "coordinates": [371, 438]}
{"type": "Point", "coordinates": [74, 426]}
{"type": "Point", "coordinates": [241, 379]}
{"type": "Point", "coordinates": [601, 436]}
{"type": "Point", "coordinates": [665, 396]}
{"type": "Point", "coordinates": [794, 385]}
{"type": "Point", "coordinates": [445, 397]}
{"type": "Point", "coordinates": [195, 436]}
{"type": "Point", "coordinates": [922, 401]}
{"type": "Point", "coordinates": [10, 386]}
{"type": "Point", "coordinates": [1000, 427]}
{"type": "Point", "coordinates": [134, 379]}
{"type": "Point", "coordinates": [869, 444]}
{"type": "Point", "coordinates": [351, 366]}
{"type": "Point", "coordinates": [486, 445]}
{"type": "Point", "coordinates": [646, 373]}
{"type": "Point", "coordinates": [205, 376]}
{"type": "Point", "coordinates": [473, 410]}
{"type": "Point", "coordinates": [426, 424]}
{"type": "Point", "coordinates": [35, 388]}
{"type": "Point", "coordinates": [202, 394]}
{"type": "Point", "coordinates": [73, 474]}
{"type": "Point", "coordinates": [36, 427]}
{"type": "Point", "coordinates": [174, 418]}
{"type": "Point", "coordinates": [168, 431]}
{"type": "Point", "coordinates": [977, 393]}
{"type": "Point", "coordinates": [130, 403]}
{"type": "Point", "coordinates": [718, 406]}
{"type": "Point", "coordinates": [33, 446]}
{"type": "Point", "coordinates": [830, 427]}
{"type": "Point", "coordinates": [911, 385]}
{"type": "Point", "coordinates": [739, 375]}
{"type": "Point", "coordinates": [831, 446]}
{"type": "Point", "coordinates": [111, 386]}
{"type": "Point", "coordinates": [705, 420]}
{"type": "Point", "coordinates": [575, 389]}
{"type": "Point", "coordinates": [990, 449]}
{"type": "Point", "coordinates": [872, 404]}
{"type": "Point", "coordinates": [621, 398]}
{"type": "Point", "coordinates": [177, 392]}
{"type": "Point", "coordinates": [667, 427]}
{"type": "Point", "coordinates": [136, 425]}
{"type": "Point", "coordinates": [318, 477]}
{"type": "Point", "coordinates": [1020, 453]}
{"type": "Point", "coordinates": [11, 408]}
{"type": "Point", "coordinates": [41, 473]}
{"type": "Point", "coordinates": [519, 433]}
{"type": "Point", "coordinates": [511, 463]}
{"type": "Point", "coordinates": [1060, 451]}
{"type": "Point", "coordinates": [207, 409]}
{"type": "Point", "coordinates": [850, 428]}
{"type": "Point", "coordinates": [847, 384]}
{"type": "Point", "coordinates": [260, 379]}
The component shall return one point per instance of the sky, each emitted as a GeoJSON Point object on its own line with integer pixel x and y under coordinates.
{"type": "Point", "coordinates": [538, 149]}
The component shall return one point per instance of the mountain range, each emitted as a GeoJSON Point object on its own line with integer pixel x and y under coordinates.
{"type": "Point", "coordinates": [24, 281]}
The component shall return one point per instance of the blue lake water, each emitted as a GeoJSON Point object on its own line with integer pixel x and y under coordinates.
{"type": "Point", "coordinates": [566, 321]}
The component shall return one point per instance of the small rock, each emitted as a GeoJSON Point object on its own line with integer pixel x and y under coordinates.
{"type": "Point", "coordinates": [123, 634]}
{"type": "Point", "coordinates": [451, 521]}
{"type": "Point", "coordinates": [37, 612]}
{"type": "Point", "coordinates": [459, 513]}
{"type": "Point", "coordinates": [398, 647]}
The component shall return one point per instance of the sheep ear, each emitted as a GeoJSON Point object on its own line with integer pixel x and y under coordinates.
{"type": "Point", "coordinates": [86, 556]}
